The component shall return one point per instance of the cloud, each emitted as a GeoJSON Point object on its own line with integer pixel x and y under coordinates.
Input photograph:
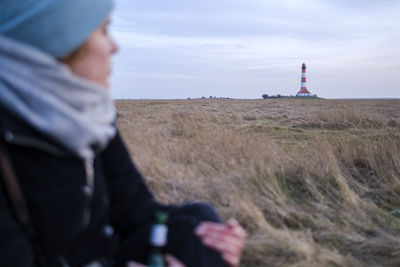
{"type": "Point", "coordinates": [244, 48]}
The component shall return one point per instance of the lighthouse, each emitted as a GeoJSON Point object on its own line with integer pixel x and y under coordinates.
{"type": "Point", "coordinates": [303, 88]}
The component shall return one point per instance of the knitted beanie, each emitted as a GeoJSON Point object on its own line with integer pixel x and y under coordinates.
{"type": "Point", "coordinates": [57, 27]}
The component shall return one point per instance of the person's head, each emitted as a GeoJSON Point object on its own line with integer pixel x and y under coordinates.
{"type": "Point", "coordinates": [92, 60]}
{"type": "Point", "coordinates": [73, 31]}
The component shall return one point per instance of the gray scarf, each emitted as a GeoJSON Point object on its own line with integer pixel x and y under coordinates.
{"type": "Point", "coordinates": [35, 87]}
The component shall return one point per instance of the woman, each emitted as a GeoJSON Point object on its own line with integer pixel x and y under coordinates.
{"type": "Point", "coordinates": [87, 203]}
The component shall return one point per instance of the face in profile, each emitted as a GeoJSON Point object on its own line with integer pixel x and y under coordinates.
{"type": "Point", "coordinates": [92, 61]}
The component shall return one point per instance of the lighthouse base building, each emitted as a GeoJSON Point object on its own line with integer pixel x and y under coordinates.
{"type": "Point", "coordinates": [305, 95]}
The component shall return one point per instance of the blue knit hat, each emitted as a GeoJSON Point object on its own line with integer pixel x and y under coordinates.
{"type": "Point", "coordinates": [57, 27]}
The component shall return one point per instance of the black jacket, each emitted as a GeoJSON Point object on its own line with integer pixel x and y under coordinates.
{"type": "Point", "coordinates": [72, 224]}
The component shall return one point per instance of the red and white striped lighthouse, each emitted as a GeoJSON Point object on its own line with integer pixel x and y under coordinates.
{"type": "Point", "coordinates": [303, 88]}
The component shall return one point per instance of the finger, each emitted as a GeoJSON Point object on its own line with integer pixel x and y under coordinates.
{"type": "Point", "coordinates": [134, 264]}
{"type": "Point", "coordinates": [232, 260]}
{"type": "Point", "coordinates": [232, 222]}
{"type": "Point", "coordinates": [239, 230]}
{"type": "Point", "coordinates": [207, 228]}
{"type": "Point", "coordinates": [172, 261]}
{"type": "Point", "coordinates": [230, 229]}
{"type": "Point", "coordinates": [229, 246]}
{"type": "Point", "coordinates": [223, 241]}
{"type": "Point", "coordinates": [230, 242]}
{"type": "Point", "coordinates": [210, 226]}
{"type": "Point", "coordinates": [223, 246]}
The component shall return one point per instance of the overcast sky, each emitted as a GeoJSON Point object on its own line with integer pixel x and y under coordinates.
{"type": "Point", "coordinates": [245, 48]}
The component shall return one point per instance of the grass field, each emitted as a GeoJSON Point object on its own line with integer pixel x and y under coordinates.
{"type": "Point", "coordinates": [314, 182]}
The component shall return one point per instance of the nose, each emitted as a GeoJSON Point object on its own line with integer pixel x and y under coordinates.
{"type": "Point", "coordinates": [114, 47]}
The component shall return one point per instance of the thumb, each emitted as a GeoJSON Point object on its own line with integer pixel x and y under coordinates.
{"type": "Point", "coordinates": [173, 262]}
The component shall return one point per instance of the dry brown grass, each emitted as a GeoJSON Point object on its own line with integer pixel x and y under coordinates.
{"type": "Point", "coordinates": [314, 182]}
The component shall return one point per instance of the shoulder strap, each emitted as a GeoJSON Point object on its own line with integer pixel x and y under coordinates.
{"type": "Point", "coordinates": [17, 200]}
{"type": "Point", "coordinates": [12, 188]}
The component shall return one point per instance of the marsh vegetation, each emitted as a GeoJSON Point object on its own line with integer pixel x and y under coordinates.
{"type": "Point", "coordinates": [314, 182]}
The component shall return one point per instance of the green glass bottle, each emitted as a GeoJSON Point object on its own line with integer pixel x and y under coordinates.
{"type": "Point", "coordinates": [158, 240]}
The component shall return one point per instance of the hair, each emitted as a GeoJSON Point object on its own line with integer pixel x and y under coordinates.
{"type": "Point", "coordinates": [74, 54]}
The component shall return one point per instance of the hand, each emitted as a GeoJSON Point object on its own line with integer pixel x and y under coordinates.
{"type": "Point", "coordinates": [228, 239]}
{"type": "Point", "coordinates": [171, 262]}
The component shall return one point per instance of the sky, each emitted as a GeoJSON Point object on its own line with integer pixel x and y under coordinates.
{"type": "Point", "coordinates": [178, 49]}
